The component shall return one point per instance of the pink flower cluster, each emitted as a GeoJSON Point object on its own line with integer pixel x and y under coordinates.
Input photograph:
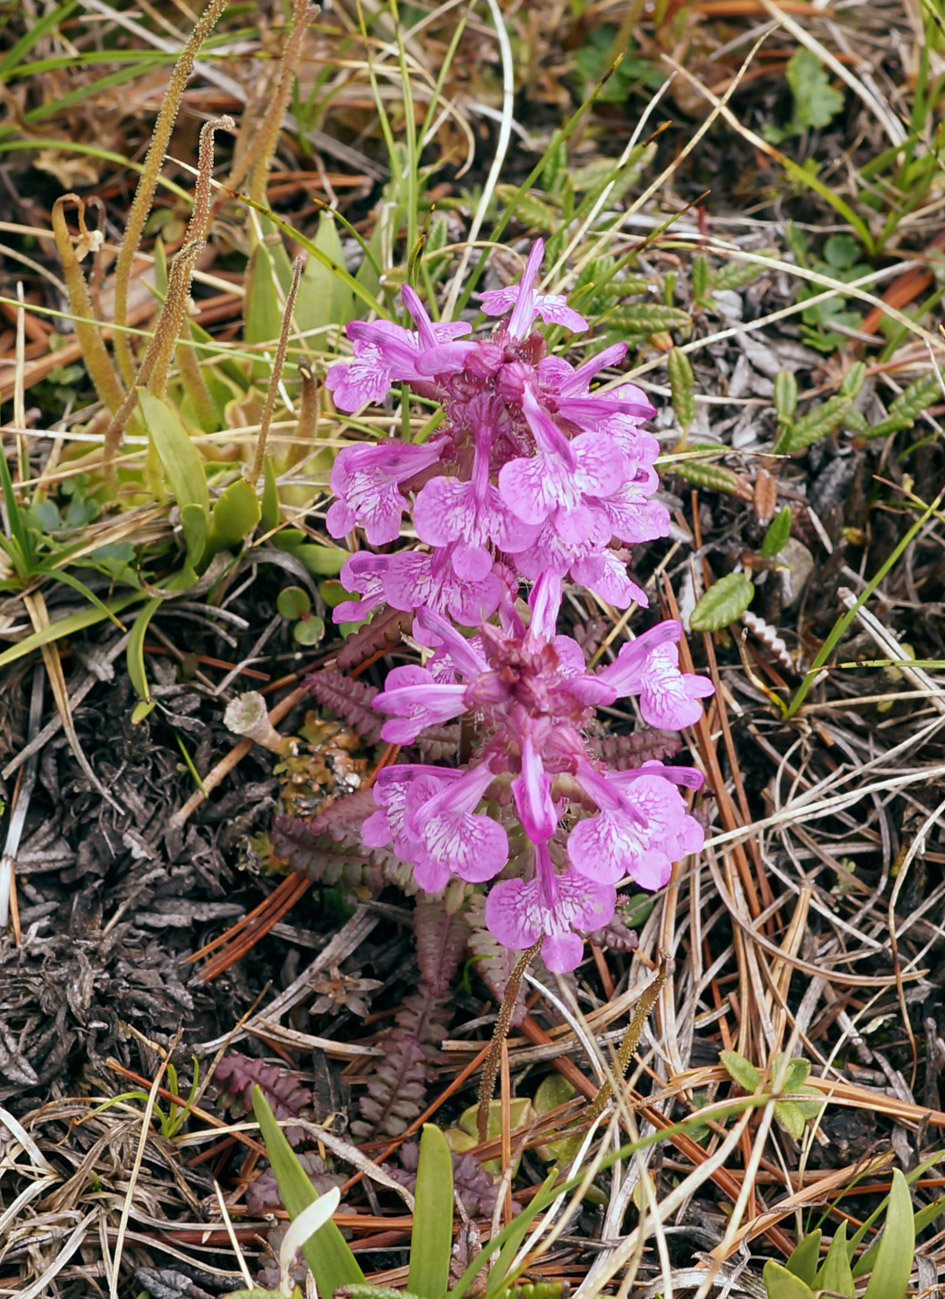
{"type": "Point", "coordinates": [534, 476]}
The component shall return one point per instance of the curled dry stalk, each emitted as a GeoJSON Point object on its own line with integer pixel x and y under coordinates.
{"type": "Point", "coordinates": [502, 1024]}
{"type": "Point", "coordinates": [153, 162]}
{"type": "Point", "coordinates": [101, 370]}
{"type": "Point", "coordinates": [154, 368]}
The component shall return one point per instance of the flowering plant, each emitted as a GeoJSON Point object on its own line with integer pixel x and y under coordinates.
{"type": "Point", "coordinates": [531, 476]}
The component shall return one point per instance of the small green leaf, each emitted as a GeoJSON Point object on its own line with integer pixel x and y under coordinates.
{"type": "Point", "coordinates": [835, 1275]}
{"type": "Point", "coordinates": [432, 1238]}
{"type": "Point", "coordinates": [816, 425]}
{"type": "Point", "coordinates": [309, 631]}
{"type": "Point", "coordinates": [183, 470]}
{"type": "Point", "coordinates": [683, 387]}
{"type": "Point", "coordinates": [648, 318]}
{"type": "Point", "coordinates": [796, 1074]}
{"type": "Point", "coordinates": [803, 1261]}
{"type": "Point", "coordinates": [326, 1252]}
{"type": "Point", "coordinates": [134, 652]}
{"type": "Point", "coordinates": [235, 515]}
{"type": "Point", "coordinates": [736, 275]}
{"type": "Point", "coordinates": [782, 1284]}
{"type": "Point", "coordinates": [785, 395]}
{"type": "Point", "coordinates": [896, 1252]}
{"type": "Point", "coordinates": [779, 529]}
{"type": "Point", "coordinates": [816, 102]}
{"type": "Point", "coordinates": [700, 275]}
{"type": "Point", "coordinates": [736, 1066]}
{"type": "Point", "coordinates": [722, 604]}
{"type": "Point", "coordinates": [854, 379]}
{"type": "Point", "coordinates": [706, 473]}
{"type": "Point", "coordinates": [293, 602]}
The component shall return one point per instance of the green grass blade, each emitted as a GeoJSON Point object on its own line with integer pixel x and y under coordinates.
{"type": "Point", "coordinates": [432, 1237]}
{"type": "Point", "coordinates": [63, 627]}
{"type": "Point", "coordinates": [327, 1253]}
{"type": "Point", "coordinates": [895, 1255]}
{"type": "Point", "coordinates": [35, 34]}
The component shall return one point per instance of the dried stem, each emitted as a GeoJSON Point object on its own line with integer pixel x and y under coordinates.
{"type": "Point", "coordinates": [157, 359]}
{"type": "Point", "coordinates": [504, 1020]}
{"type": "Point", "coordinates": [99, 364]}
{"type": "Point", "coordinates": [258, 156]}
{"type": "Point", "coordinates": [629, 1043]}
{"type": "Point", "coordinates": [272, 391]}
{"type": "Point", "coordinates": [153, 162]}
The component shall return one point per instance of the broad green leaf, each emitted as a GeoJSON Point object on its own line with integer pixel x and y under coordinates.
{"type": "Point", "coordinates": [432, 1238]}
{"type": "Point", "coordinates": [321, 561]}
{"type": "Point", "coordinates": [782, 1284]}
{"type": "Point", "coordinates": [179, 457]}
{"type": "Point", "coordinates": [293, 602]}
{"type": "Point", "coordinates": [789, 1115]}
{"type": "Point", "coordinates": [896, 1252]}
{"type": "Point", "coordinates": [722, 604]}
{"type": "Point", "coordinates": [234, 516]}
{"type": "Point", "coordinates": [323, 298]}
{"type": "Point", "coordinates": [373, 1292]}
{"type": "Point", "coordinates": [741, 1071]}
{"type": "Point", "coordinates": [779, 529]}
{"type": "Point", "coordinates": [835, 1275]}
{"type": "Point", "coordinates": [263, 309]}
{"type": "Point", "coordinates": [327, 1253]}
{"type": "Point", "coordinates": [803, 1261]}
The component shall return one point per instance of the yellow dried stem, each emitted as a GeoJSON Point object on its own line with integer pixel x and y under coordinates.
{"type": "Point", "coordinates": [99, 364]}
{"type": "Point", "coordinates": [502, 1024]}
{"type": "Point", "coordinates": [255, 162]}
{"type": "Point", "coordinates": [272, 391]}
{"type": "Point", "coordinates": [628, 1043]}
{"type": "Point", "coordinates": [154, 368]}
{"type": "Point", "coordinates": [153, 162]}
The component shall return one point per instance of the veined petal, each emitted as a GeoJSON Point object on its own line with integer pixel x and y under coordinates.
{"type": "Point", "coordinates": [418, 701]}
{"type": "Point", "coordinates": [518, 912]}
{"type": "Point", "coordinates": [356, 383]}
{"type": "Point", "coordinates": [554, 310]}
{"type": "Point", "coordinates": [669, 699]}
{"type": "Point", "coordinates": [627, 673]}
{"type": "Point", "coordinates": [610, 845]}
{"type": "Point", "coordinates": [532, 794]}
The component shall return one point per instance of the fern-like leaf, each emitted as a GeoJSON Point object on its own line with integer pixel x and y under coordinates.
{"type": "Point", "coordinates": [385, 630]}
{"type": "Point", "coordinates": [349, 700]}
{"type": "Point", "coordinates": [622, 751]}
{"type": "Point", "coordinates": [397, 1092]}
{"type": "Point", "coordinates": [237, 1074]}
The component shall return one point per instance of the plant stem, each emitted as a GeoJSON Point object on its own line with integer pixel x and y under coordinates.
{"type": "Point", "coordinates": [502, 1024]}
{"type": "Point", "coordinates": [153, 162]}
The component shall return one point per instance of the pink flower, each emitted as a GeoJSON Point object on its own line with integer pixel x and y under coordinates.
{"type": "Point", "coordinates": [429, 812]}
{"type": "Point", "coordinates": [649, 667]}
{"type": "Point", "coordinates": [526, 305]}
{"type": "Point", "coordinates": [550, 907]}
{"type": "Point", "coordinates": [365, 480]}
{"type": "Point", "coordinates": [641, 829]}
